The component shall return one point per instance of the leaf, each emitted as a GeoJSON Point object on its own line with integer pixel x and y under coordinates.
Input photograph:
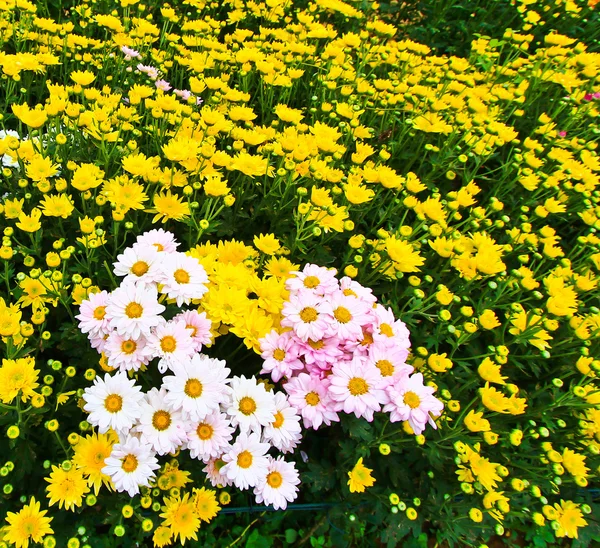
{"type": "Point", "coordinates": [256, 540]}
{"type": "Point", "coordinates": [291, 535]}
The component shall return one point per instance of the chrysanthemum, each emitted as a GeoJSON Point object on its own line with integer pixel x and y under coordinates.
{"type": "Point", "coordinates": [183, 278]}
{"type": "Point", "coordinates": [125, 353]}
{"type": "Point", "coordinates": [134, 310]}
{"type": "Point", "coordinates": [308, 315]}
{"type": "Point", "coordinates": [322, 353]}
{"type": "Point", "coordinates": [172, 343]}
{"type": "Point", "coordinates": [390, 361]}
{"type": "Point", "coordinates": [284, 432]}
{"type": "Point", "coordinates": [246, 462]}
{"type": "Point", "coordinates": [18, 378]}
{"type": "Point", "coordinates": [162, 536]}
{"type": "Point", "coordinates": [113, 402]}
{"type": "Point", "coordinates": [213, 471]}
{"type": "Point", "coordinates": [349, 315]}
{"type": "Point", "coordinates": [90, 454]}
{"type": "Point", "coordinates": [210, 437]}
{"type": "Point", "coordinates": [66, 487]}
{"type": "Point", "coordinates": [280, 354]}
{"type": "Point", "coordinates": [198, 387]}
{"type": "Point", "coordinates": [314, 279]}
{"type": "Point", "coordinates": [159, 238]}
{"type": "Point", "coordinates": [200, 327]}
{"type": "Point", "coordinates": [251, 405]}
{"type": "Point", "coordinates": [360, 477]}
{"type": "Point", "coordinates": [412, 401]}
{"type": "Point", "coordinates": [205, 503]}
{"type": "Point", "coordinates": [180, 516]}
{"type": "Point", "coordinates": [388, 330]}
{"type": "Point", "coordinates": [351, 288]}
{"type": "Point", "coordinates": [310, 396]}
{"type": "Point", "coordinates": [92, 314]}
{"type": "Point", "coordinates": [159, 425]}
{"type": "Point", "coordinates": [131, 465]}
{"type": "Point", "coordinates": [27, 524]}
{"type": "Point", "coordinates": [139, 265]}
{"type": "Point", "coordinates": [280, 485]}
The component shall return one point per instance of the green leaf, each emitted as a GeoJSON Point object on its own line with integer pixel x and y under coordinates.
{"type": "Point", "coordinates": [291, 535]}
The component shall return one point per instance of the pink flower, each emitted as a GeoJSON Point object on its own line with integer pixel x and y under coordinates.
{"type": "Point", "coordinates": [162, 240]}
{"type": "Point", "coordinates": [314, 279]}
{"type": "Point", "coordinates": [388, 330]}
{"type": "Point", "coordinates": [150, 71]}
{"type": "Point", "coordinates": [351, 288]}
{"type": "Point", "coordinates": [562, 133]}
{"type": "Point", "coordinates": [349, 315]}
{"type": "Point", "coordinates": [92, 315]}
{"type": "Point", "coordinates": [199, 325]}
{"type": "Point", "coordinates": [322, 353]}
{"type": "Point", "coordinates": [280, 355]}
{"type": "Point", "coordinates": [183, 93]}
{"type": "Point", "coordinates": [126, 353]}
{"type": "Point", "coordinates": [310, 396]}
{"type": "Point", "coordinates": [172, 343]}
{"type": "Point", "coordinates": [130, 53]}
{"type": "Point", "coordinates": [390, 361]}
{"type": "Point", "coordinates": [163, 85]}
{"type": "Point", "coordinates": [308, 315]}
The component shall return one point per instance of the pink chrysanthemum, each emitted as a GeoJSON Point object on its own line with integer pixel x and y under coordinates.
{"type": "Point", "coordinates": [388, 330]}
{"type": "Point", "coordinates": [200, 327]}
{"type": "Point", "coordinates": [348, 316]}
{"type": "Point", "coordinates": [213, 472]}
{"type": "Point", "coordinates": [390, 361]}
{"type": "Point", "coordinates": [172, 343]}
{"type": "Point", "coordinates": [314, 279]}
{"type": "Point", "coordinates": [160, 239]}
{"type": "Point", "coordinates": [310, 396]}
{"type": "Point", "coordinates": [351, 288]}
{"type": "Point", "coordinates": [183, 278]}
{"type": "Point", "coordinates": [139, 265]}
{"type": "Point", "coordinates": [125, 353]}
{"type": "Point", "coordinates": [308, 315]}
{"type": "Point", "coordinates": [280, 485]}
{"type": "Point", "coordinates": [280, 355]}
{"type": "Point", "coordinates": [210, 437]}
{"type": "Point", "coordinates": [92, 315]}
{"type": "Point", "coordinates": [285, 432]}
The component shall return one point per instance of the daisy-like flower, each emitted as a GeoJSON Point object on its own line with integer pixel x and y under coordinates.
{"type": "Point", "coordinates": [390, 361]}
{"type": "Point", "coordinates": [158, 238]}
{"type": "Point", "coordinates": [210, 437]}
{"type": "Point", "coordinates": [198, 387]}
{"type": "Point", "coordinates": [308, 315]}
{"type": "Point", "coordinates": [200, 327]}
{"type": "Point", "coordinates": [28, 524]}
{"type": "Point", "coordinates": [280, 354]}
{"type": "Point", "coordinates": [92, 315]}
{"type": "Point", "coordinates": [322, 353]}
{"type": "Point", "coordinates": [152, 72]}
{"type": "Point", "coordinates": [139, 265]}
{"type": "Point", "coordinates": [130, 53]}
{"type": "Point", "coordinates": [355, 388]}
{"type": "Point", "coordinates": [251, 406]}
{"type": "Point", "coordinates": [131, 465]}
{"type": "Point", "coordinates": [90, 454]}
{"type": "Point", "coordinates": [172, 343]}
{"type": "Point", "coordinates": [349, 315]}
{"type": "Point", "coordinates": [388, 330]}
{"type": "Point", "coordinates": [180, 516]}
{"type": "Point", "coordinates": [134, 310]}
{"type": "Point", "coordinates": [351, 288]}
{"type": "Point", "coordinates": [213, 470]}
{"type": "Point", "coordinates": [159, 425]}
{"type": "Point", "coordinates": [183, 278]}
{"type": "Point", "coordinates": [412, 401]}
{"type": "Point", "coordinates": [125, 353]}
{"type": "Point", "coordinates": [246, 462]}
{"type": "Point", "coordinates": [280, 485]}
{"type": "Point", "coordinates": [67, 487]}
{"type": "Point", "coordinates": [314, 279]}
{"type": "Point", "coordinates": [310, 396]}
{"type": "Point", "coordinates": [284, 432]}
{"type": "Point", "coordinates": [113, 403]}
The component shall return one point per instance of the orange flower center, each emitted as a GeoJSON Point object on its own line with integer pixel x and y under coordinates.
{"type": "Point", "coordinates": [134, 310]}
{"type": "Point", "coordinates": [204, 431]}
{"type": "Point", "coordinates": [312, 398]}
{"type": "Point", "coordinates": [244, 459]}
{"type": "Point", "coordinates": [168, 344]}
{"type": "Point", "coordinates": [278, 422]}
{"type": "Point", "coordinates": [130, 464]}
{"type": "Point", "coordinates": [311, 282]}
{"type": "Point", "coordinates": [181, 276]}
{"type": "Point", "coordinates": [247, 405]}
{"type": "Point", "coordinates": [386, 367]}
{"type": "Point", "coordinates": [412, 400]}
{"type": "Point", "coordinates": [193, 388]}
{"type": "Point", "coordinates": [279, 354]}
{"type": "Point", "coordinates": [99, 313]}
{"type": "Point", "coordinates": [308, 314]}
{"type": "Point", "coordinates": [161, 420]}
{"type": "Point", "coordinates": [113, 403]}
{"type": "Point", "coordinates": [128, 347]}
{"type": "Point", "coordinates": [140, 268]}
{"type": "Point", "coordinates": [358, 386]}
{"type": "Point", "coordinates": [342, 314]}
{"type": "Point", "coordinates": [274, 479]}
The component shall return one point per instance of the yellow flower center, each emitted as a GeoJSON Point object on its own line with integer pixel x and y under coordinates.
{"type": "Point", "coordinates": [279, 354]}
{"type": "Point", "coordinates": [244, 459]}
{"type": "Point", "coordinates": [274, 479]}
{"type": "Point", "coordinates": [168, 344]}
{"type": "Point", "coordinates": [193, 329]}
{"type": "Point", "coordinates": [312, 398]}
{"type": "Point", "coordinates": [386, 329]}
{"type": "Point", "coordinates": [342, 314]}
{"type": "Point", "coordinates": [99, 313]}
{"type": "Point", "coordinates": [161, 420]}
{"type": "Point", "coordinates": [247, 405]}
{"type": "Point", "coordinates": [367, 339]}
{"type": "Point", "coordinates": [113, 403]}
{"type": "Point", "coordinates": [140, 268]}
{"type": "Point", "coordinates": [130, 464]}
{"type": "Point", "coordinates": [412, 400]}
{"type": "Point", "coordinates": [193, 388]}
{"type": "Point", "coordinates": [181, 276]}
{"type": "Point", "coordinates": [349, 292]}
{"type": "Point", "coordinates": [386, 368]}
{"type": "Point", "coordinates": [311, 282]}
{"type": "Point", "coordinates": [160, 247]}
{"type": "Point", "coordinates": [316, 345]}
{"type": "Point", "coordinates": [308, 314]}
{"type": "Point", "coordinates": [278, 422]}
{"type": "Point", "coordinates": [134, 310]}
{"type": "Point", "coordinates": [128, 347]}
{"type": "Point", "coordinates": [204, 431]}
{"type": "Point", "coordinates": [358, 386]}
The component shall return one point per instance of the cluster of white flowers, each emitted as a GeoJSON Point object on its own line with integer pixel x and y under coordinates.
{"type": "Point", "coordinates": [229, 423]}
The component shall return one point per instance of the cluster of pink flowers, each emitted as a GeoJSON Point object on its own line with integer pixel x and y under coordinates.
{"type": "Point", "coordinates": [341, 351]}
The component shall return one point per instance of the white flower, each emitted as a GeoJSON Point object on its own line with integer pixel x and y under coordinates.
{"type": "Point", "coordinates": [210, 437]}
{"type": "Point", "coordinates": [251, 405]}
{"type": "Point", "coordinates": [172, 343]}
{"type": "Point", "coordinates": [197, 388]}
{"type": "Point", "coordinates": [159, 425]}
{"type": "Point", "coordinates": [133, 309]}
{"type": "Point", "coordinates": [140, 265]}
{"type": "Point", "coordinates": [125, 353]}
{"type": "Point", "coordinates": [213, 472]}
{"type": "Point", "coordinates": [92, 315]}
{"type": "Point", "coordinates": [183, 278]}
{"type": "Point", "coordinates": [113, 402]}
{"type": "Point", "coordinates": [279, 486]}
{"type": "Point", "coordinates": [246, 461]}
{"type": "Point", "coordinates": [160, 239]}
{"type": "Point", "coordinates": [285, 431]}
{"type": "Point", "coordinates": [131, 465]}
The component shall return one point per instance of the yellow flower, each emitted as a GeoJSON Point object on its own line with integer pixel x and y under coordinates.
{"type": "Point", "coordinates": [490, 371]}
{"type": "Point", "coordinates": [430, 122]}
{"type": "Point", "coordinates": [216, 186]}
{"type": "Point", "coordinates": [488, 319]}
{"type": "Point", "coordinates": [180, 517]}
{"type": "Point", "coordinates": [32, 118]}
{"type": "Point", "coordinates": [405, 258]}
{"type": "Point", "coordinates": [493, 399]}
{"type": "Point", "coordinates": [40, 168]}
{"type": "Point", "coordinates": [569, 518]}
{"type": "Point", "coordinates": [18, 376]}
{"type": "Point", "coordinates": [89, 457]}
{"type": "Point", "coordinates": [476, 423]}
{"type": "Point", "coordinates": [86, 177]}
{"type": "Point", "coordinates": [280, 267]}
{"type": "Point", "coordinates": [66, 487]}
{"type": "Point", "coordinates": [83, 78]}
{"type": "Point", "coordinates": [59, 205]}
{"type": "Point", "coordinates": [444, 295]}
{"type": "Point", "coordinates": [267, 243]}
{"type": "Point", "coordinates": [574, 463]}
{"type": "Point", "coordinates": [205, 503]}
{"type": "Point", "coordinates": [162, 536]}
{"type": "Point", "coordinates": [169, 206]}
{"type": "Point", "coordinates": [31, 222]}
{"type": "Point", "coordinates": [10, 317]}
{"type": "Point", "coordinates": [439, 362]}
{"type": "Point", "coordinates": [360, 477]}
{"type": "Point", "coordinates": [28, 524]}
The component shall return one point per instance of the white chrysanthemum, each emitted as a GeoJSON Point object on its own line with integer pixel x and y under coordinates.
{"type": "Point", "coordinates": [160, 426]}
{"type": "Point", "coordinates": [172, 343]}
{"type": "Point", "coordinates": [197, 388]}
{"type": "Point", "coordinates": [134, 310]}
{"type": "Point", "coordinates": [131, 465]}
{"type": "Point", "coordinates": [125, 353]}
{"type": "Point", "coordinates": [160, 239]}
{"type": "Point", "coordinates": [92, 315]}
{"type": "Point", "coordinates": [200, 326]}
{"type": "Point", "coordinates": [139, 265]}
{"type": "Point", "coordinates": [251, 405]}
{"type": "Point", "coordinates": [279, 486]}
{"type": "Point", "coordinates": [183, 278]}
{"type": "Point", "coordinates": [285, 431]}
{"type": "Point", "coordinates": [213, 473]}
{"type": "Point", "coordinates": [113, 402]}
{"type": "Point", "coordinates": [246, 462]}
{"type": "Point", "coordinates": [210, 437]}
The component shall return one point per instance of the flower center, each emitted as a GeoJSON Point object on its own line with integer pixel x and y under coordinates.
{"type": "Point", "coordinates": [367, 339]}
{"type": "Point", "coordinates": [99, 458]}
{"type": "Point", "coordinates": [113, 403]}
{"type": "Point", "coordinates": [274, 479]}
{"type": "Point", "coordinates": [349, 293]}
{"type": "Point", "coordinates": [308, 314]}
{"type": "Point", "coordinates": [161, 420]}
{"type": "Point", "coordinates": [193, 329]}
{"type": "Point", "coordinates": [160, 247]}
{"type": "Point", "coordinates": [358, 386]}
{"type": "Point", "coordinates": [181, 276]}
{"type": "Point", "coordinates": [311, 282]}
{"type": "Point", "coordinates": [128, 347]}
{"type": "Point", "coordinates": [99, 313]}
{"type": "Point", "coordinates": [244, 459]}
{"type": "Point", "coordinates": [140, 268]}
{"type": "Point", "coordinates": [168, 344]}
{"type": "Point", "coordinates": [386, 367]}
{"type": "Point", "coordinates": [130, 463]}
{"type": "Point", "coordinates": [193, 388]}
{"type": "Point", "coordinates": [342, 314]}
{"type": "Point", "coordinates": [386, 329]}
{"type": "Point", "coordinates": [279, 354]}
{"type": "Point", "coordinates": [412, 400]}
{"type": "Point", "coordinates": [204, 431]}
{"type": "Point", "coordinates": [316, 345]}
{"type": "Point", "coordinates": [133, 310]}
{"type": "Point", "coordinates": [247, 405]}
{"type": "Point", "coordinates": [279, 418]}
{"type": "Point", "coordinates": [312, 398]}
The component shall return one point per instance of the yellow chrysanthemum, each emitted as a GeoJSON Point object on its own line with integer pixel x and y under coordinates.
{"type": "Point", "coordinates": [28, 524]}
{"type": "Point", "coordinates": [67, 487]}
{"type": "Point", "coordinates": [360, 477]}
